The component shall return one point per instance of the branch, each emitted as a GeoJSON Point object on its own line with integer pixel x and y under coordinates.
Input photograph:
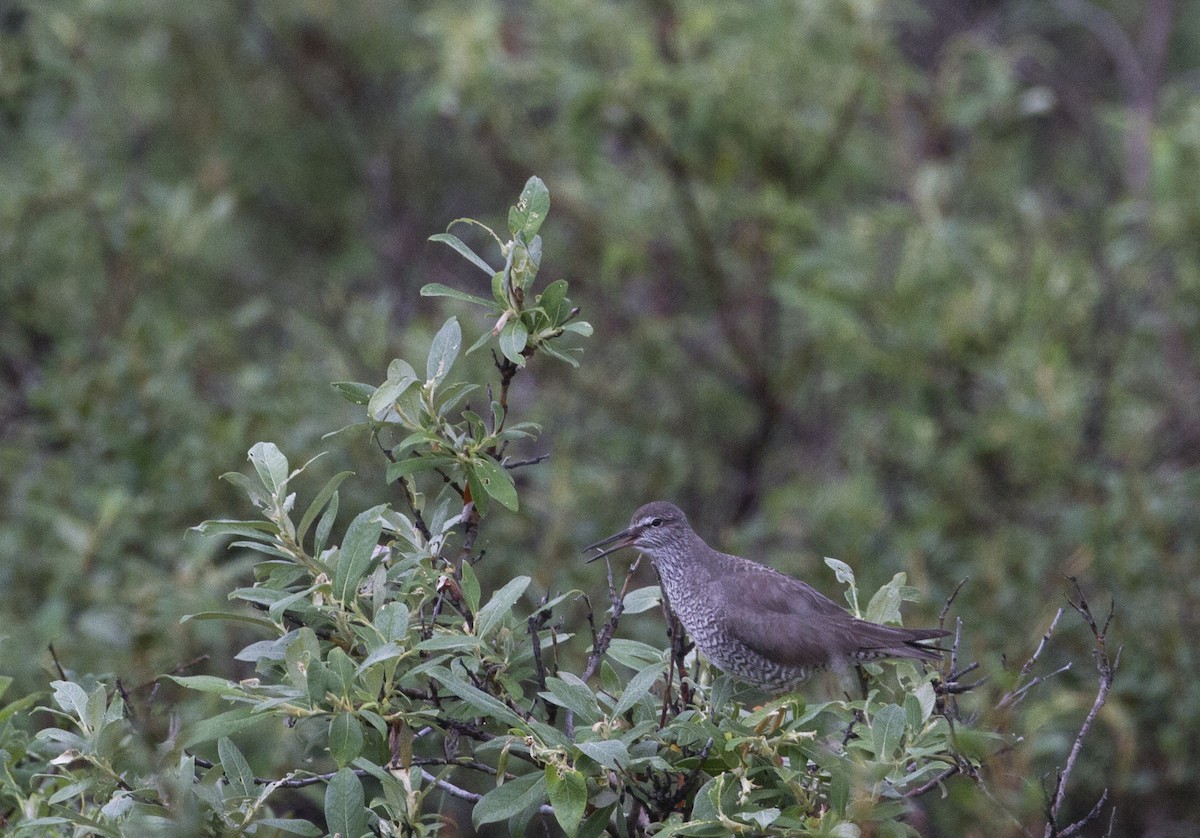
{"type": "Point", "coordinates": [1018, 692]}
{"type": "Point", "coordinates": [1106, 666]}
{"type": "Point", "coordinates": [603, 638]}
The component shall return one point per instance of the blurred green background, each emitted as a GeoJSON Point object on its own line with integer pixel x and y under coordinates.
{"type": "Point", "coordinates": [914, 285]}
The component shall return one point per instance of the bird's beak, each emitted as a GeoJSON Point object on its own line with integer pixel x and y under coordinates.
{"type": "Point", "coordinates": [621, 540]}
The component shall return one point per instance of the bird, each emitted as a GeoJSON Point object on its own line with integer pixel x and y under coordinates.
{"type": "Point", "coordinates": [763, 627]}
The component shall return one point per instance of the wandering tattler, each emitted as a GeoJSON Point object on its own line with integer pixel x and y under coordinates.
{"type": "Point", "coordinates": [751, 621]}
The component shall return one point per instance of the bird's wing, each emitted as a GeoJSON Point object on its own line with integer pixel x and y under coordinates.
{"type": "Point", "coordinates": [782, 618]}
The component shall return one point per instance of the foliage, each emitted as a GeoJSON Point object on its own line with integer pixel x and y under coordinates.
{"type": "Point", "coordinates": [911, 285]}
{"type": "Point", "coordinates": [400, 677]}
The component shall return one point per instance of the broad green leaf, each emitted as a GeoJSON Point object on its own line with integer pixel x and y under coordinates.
{"type": "Point", "coordinates": [356, 553]}
{"type": "Point", "coordinates": [557, 354]}
{"type": "Point", "coordinates": [470, 587]}
{"type": "Point", "coordinates": [443, 350]}
{"type": "Point", "coordinates": [884, 607]}
{"type": "Point", "coordinates": [579, 327]}
{"type": "Point", "coordinates": [513, 338]}
{"type": "Point", "coordinates": [634, 653]}
{"type": "Point", "coordinates": [353, 392]}
{"type": "Point", "coordinates": [385, 652]}
{"type": "Point", "coordinates": [464, 251]}
{"type": "Point", "coordinates": [207, 684]}
{"type": "Point", "coordinates": [501, 603]}
{"type": "Point", "coordinates": [260, 530]}
{"type": "Point", "coordinates": [391, 621]}
{"type": "Point", "coordinates": [843, 571]}
{"type": "Point", "coordinates": [295, 826]}
{"type": "Point", "coordinates": [223, 724]}
{"type": "Point", "coordinates": [611, 753]}
{"type": "Point", "coordinates": [531, 209]}
{"type": "Point", "coordinates": [477, 698]}
{"type": "Point", "coordinates": [345, 805]}
{"type": "Point", "coordinates": [415, 464]}
{"type": "Point", "coordinates": [496, 481]}
{"type": "Point", "coordinates": [436, 289]}
{"type": "Point", "coordinates": [345, 738]}
{"type": "Point", "coordinates": [271, 465]}
{"type": "Point", "coordinates": [551, 300]}
{"type": "Point", "coordinates": [638, 687]}
{"type": "Point", "coordinates": [231, 617]}
{"type": "Point", "coordinates": [236, 768]}
{"type": "Point", "coordinates": [570, 692]}
{"type": "Point", "coordinates": [385, 396]}
{"type": "Point", "coordinates": [568, 796]}
{"type": "Point", "coordinates": [887, 729]}
{"type": "Point", "coordinates": [642, 599]}
{"type": "Point", "coordinates": [71, 698]}
{"type": "Point", "coordinates": [510, 799]}
{"type": "Point", "coordinates": [318, 503]}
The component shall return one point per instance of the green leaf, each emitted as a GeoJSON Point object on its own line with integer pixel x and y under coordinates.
{"type": "Point", "coordinates": [207, 684]}
{"type": "Point", "coordinates": [477, 698]}
{"type": "Point", "coordinates": [354, 558]}
{"type": "Point", "coordinates": [345, 738]}
{"type": "Point", "coordinates": [233, 618]}
{"type": "Point", "coordinates": [501, 603]}
{"type": "Point", "coordinates": [391, 621]}
{"type": "Point", "coordinates": [436, 289]}
{"type": "Point", "coordinates": [295, 826]}
{"type": "Point", "coordinates": [470, 587]}
{"type": "Point", "coordinates": [579, 327]}
{"type": "Point", "coordinates": [843, 571]}
{"type": "Point", "coordinates": [642, 599]}
{"type": "Point", "coordinates": [271, 465]}
{"type": "Point", "coordinates": [558, 354]}
{"type": "Point", "coordinates": [261, 530]}
{"type": "Point", "coordinates": [611, 753]}
{"type": "Point", "coordinates": [496, 481]}
{"type": "Point", "coordinates": [513, 338]}
{"type": "Point", "coordinates": [415, 464]}
{"type": "Point", "coordinates": [353, 392]}
{"type": "Point", "coordinates": [443, 350]}
{"type": "Point", "coordinates": [551, 300]}
{"type": "Point", "coordinates": [223, 724]}
{"type": "Point", "coordinates": [236, 768]}
{"type": "Point", "coordinates": [887, 729]}
{"type": "Point", "coordinates": [532, 207]}
{"type": "Point", "coordinates": [318, 503]}
{"type": "Point", "coordinates": [464, 251]}
{"type": "Point", "coordinates": [384, 398]}
{"type": "Point", "coordinates": [385, 652]}
{"type": "Point", "coordinates": [510, 799]}
{"type": "Point", "coordinates": [345, 805]}
{"type": "Point", "coordinates": [638, 687]}
{"type": "Point", "coordinates": [884, 607]}
{"type": "Point", "coordinates": [570, 692]}
{"type": "Point", "coordinates": [568, 796]}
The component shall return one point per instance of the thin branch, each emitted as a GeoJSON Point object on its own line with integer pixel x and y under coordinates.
{"type": "Point", "coordinates": [1019, 691]}
{"type": "Point", "coordinates": [1106, 667]}
{"type": "Point", "coordinates": [602, 639]}
{"type": "Point", "coordinates": [532, 461]}
{"type": "Point", "coordinates": [950, 601]}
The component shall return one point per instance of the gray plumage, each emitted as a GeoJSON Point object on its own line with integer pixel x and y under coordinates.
{"type": "Point", "coordinates": [751, 621]}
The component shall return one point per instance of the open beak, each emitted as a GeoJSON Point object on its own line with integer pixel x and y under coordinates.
{"type": "Point", "coordinates": [620, 541]}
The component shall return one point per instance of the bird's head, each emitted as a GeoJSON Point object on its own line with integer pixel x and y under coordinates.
{"type": "Point", "coordinates": [656, 526]}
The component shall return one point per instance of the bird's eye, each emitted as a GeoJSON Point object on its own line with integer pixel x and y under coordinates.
{"type": "Point", "coordinates": [656, 522]}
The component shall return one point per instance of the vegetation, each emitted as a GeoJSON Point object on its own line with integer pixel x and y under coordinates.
{"type": "Point", "coordinates": [916, 290]}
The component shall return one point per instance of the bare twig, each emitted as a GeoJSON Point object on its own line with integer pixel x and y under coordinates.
{"type": "Point", "coordinates": [532, 461]}
{"type": "Point", "coordinates": [603, 638]}
{"type": "Point", "coordinates": [950, 601]}
{"type": "Point", "coordinates": [57, 666]}
{"type": "Point", "coordinates": [1106, 666]}
{"type": "Point", "coordinates": [1022, 687]}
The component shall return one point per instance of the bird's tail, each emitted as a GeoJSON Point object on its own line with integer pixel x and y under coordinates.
{"type": "Point", "coordinates": [896, 642]}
